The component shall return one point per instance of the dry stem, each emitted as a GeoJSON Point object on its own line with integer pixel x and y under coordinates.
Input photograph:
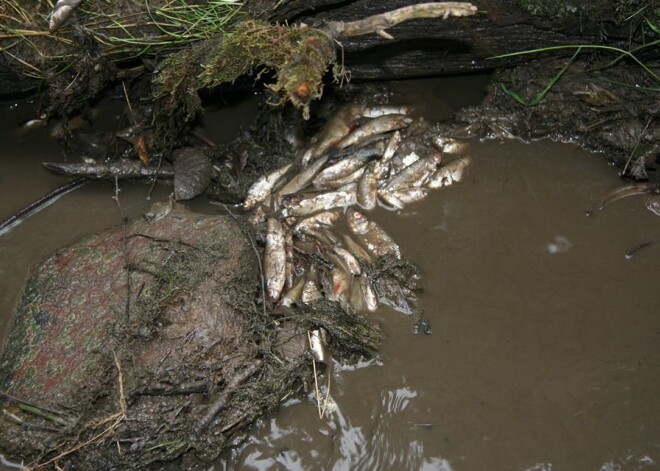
{"type": "Point", "coordinates": [379, 23]}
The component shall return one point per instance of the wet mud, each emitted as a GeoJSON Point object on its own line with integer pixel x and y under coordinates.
{"type": "Point", "coordinates": [610, 110]}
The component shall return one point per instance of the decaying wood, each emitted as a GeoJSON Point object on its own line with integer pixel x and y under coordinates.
{"type": "Point", "coordinates": [379, 23]}
{"type": "Point", "coordinates": [110, 171]}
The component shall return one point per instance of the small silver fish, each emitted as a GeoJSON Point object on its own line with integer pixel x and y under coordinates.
{"type": "Point", "coordinates": [325, 218]}
{"type": "Point", "coordinates": [300, 181]}
{"type": "Point", "coordinates": [410, 195]}
{"type": "Point", "coordinates": [377, 111]}
{"type": "Point", "coordinates": [356, 249]}
{"type": "Point", "coordinates": [338, 183]}
{"type": "Point", "coordinates": [348, 260]}
{"type": "Point", "coordinates": [389, 201]}
{"type": "Point", "coordinates": [384, 164]}
{"type": "Point", "coordinates": [368, 293]}
{"type": "Point", "coordinates": [375, 126]}
{"type": "Point", "coordinates": [318, 344]}
{"type": "Point", "coordinates": [447, 145]}
{"type": "Point", "coordinates": [371, 235]}
{"type": "Point", "coordinates": [368, 187]}
{"type": "Point", "coordinates": [415, 174]}
{"type": "Point", "coordinates": [400, 162]}
{"type": "Point", "coordinates": [274, 259]}
{"type": "Point", "coordinates": [61, 12]}
{"type": "Point", "coordinates": [321, 202]}
{"type": "Point", "coordinates": [294, 294]}
{"type": "Point", "coordinates": [311, 291]}
{"type": "Point", "coordinates": [263, 187]}
{"type": "Point", "coordinates": [624, 191]}
{"type": "Point", "coordinates": [341, 284]}
{"type": "Point", "coordinates": [449, 174]}
{"type": "Point", "coordinates": [340, 169]}
{"type": "Point", "coordinates": [337, 127]}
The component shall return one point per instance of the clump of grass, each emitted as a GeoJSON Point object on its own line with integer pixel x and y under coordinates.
{"type": "Point", "coordinates": [118, 31]}
{"type": "Point", "coordinates": [631, 54]}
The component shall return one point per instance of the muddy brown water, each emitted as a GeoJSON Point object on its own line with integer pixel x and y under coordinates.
{"type": "Point", "coordinates": [545, 344]}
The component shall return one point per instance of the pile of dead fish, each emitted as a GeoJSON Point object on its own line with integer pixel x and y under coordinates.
{"type": "Point", "coordinates": [319, 242]}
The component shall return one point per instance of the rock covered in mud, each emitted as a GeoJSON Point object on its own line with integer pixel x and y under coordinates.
{"type": "Point", "coordinates": [145, 342]}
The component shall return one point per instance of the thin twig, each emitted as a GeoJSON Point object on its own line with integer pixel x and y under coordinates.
{"type": "Point", "coordinates": [116, 198]}
{"type": "Point", "coordinates": [316, 378]}
{"type": "Point", "coordinates": [40, 204]}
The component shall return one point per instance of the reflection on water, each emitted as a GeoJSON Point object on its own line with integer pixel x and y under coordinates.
{"type": "Point", "coordinates": [544, 353]}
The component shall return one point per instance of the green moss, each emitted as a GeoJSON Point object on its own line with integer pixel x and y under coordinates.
{"type": "Point", "coordinates": [298, 56]}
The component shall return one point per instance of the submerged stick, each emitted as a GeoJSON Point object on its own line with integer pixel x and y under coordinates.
{"type": "Point", "coordinates": [110, 171]}
{"type": "Point", "coordinates": [624, 191]}
{"type": "Point", "coordinates": [40, 204]}
{"type": "Point", "coordinates": [379, 23]}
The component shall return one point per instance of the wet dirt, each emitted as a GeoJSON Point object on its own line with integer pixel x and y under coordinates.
{"type": "Point", "coordinates": [543, 347]}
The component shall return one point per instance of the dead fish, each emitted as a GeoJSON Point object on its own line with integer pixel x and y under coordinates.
{"type": "Point", "coordinates": [61, 12]}
{"type": "Point", "coordinates": [311, 291]}
{"type": "Point", "coordinates": [368, 293]}
{"type": "Point", "coordinates": [356, 300]}
{"type": "Point", "coordinates": [263, 187]}
{"type": "Point", "coordinates": [410, 195]}
{"type": "Point", "coordinates": [296, 206]}
{"type": "Point", "coordinates": [294, 294]}
{"type": "Point", "coordinates": [371, 235]}
{"type": "Point", "coordinates": [389, 201]}
{"type": "Point", "coordinates": [348, 260]}
{"type": "Point", "coordinates": [341, 285]}
{"type": "Point", "coordinates": [257, 216]}
{"type": "Point", "coordinates": [318, 344]}
{"type": "Point", "coordinates": [338, 183]}
{"type": "Point", "coordinates": [375, 126]}
{"type": "Point", "coordinates": [274, 259]}
{"type": "Point", "coordinates": [447, 145]}
{"type": "Point", "coordinates": [300, 181]}
{"type": "Point", "coordinates": [377, 111]}
{"type": "Point", "coordinates": [449, 174]}
{"type": "Point", "coordinates": [368, 187]}
{"type": "Point", "coordinates": [624, 191]}
{"type": "Point", "coordinates": [324, 237]}
{"type": "Point", "coordinates": [415, 174]}
{"type": "Point", "coordinates": [337, 127]}
{"type": "Point", "coordinates": [356, 249]}
{"type": "Point", "coordinates": [325, 218]}
{"type": "Point", "coordinates": [400, 162]}
{"type": "Point", "coordinates": [383, 168]}
{"type": "Point", "coordinates": [340, 169]}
